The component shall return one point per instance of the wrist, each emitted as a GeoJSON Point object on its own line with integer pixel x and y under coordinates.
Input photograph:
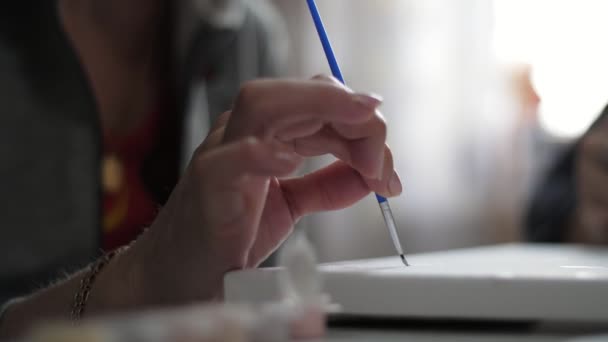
{"type": "Point", "coordinates": [117, 287]}
{"type": "Point", "coordinates": [170, 273]}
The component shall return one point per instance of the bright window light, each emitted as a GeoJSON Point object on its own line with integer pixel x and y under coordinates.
{"type": "Point", "coordinates": [564, 42]}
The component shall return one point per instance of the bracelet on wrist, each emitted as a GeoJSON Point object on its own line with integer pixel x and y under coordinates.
{"type": "Point", "coordinates": [86, 283]}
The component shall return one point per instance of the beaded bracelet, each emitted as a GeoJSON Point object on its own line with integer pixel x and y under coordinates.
{"type": "Point", "coordinates": [86, 283]}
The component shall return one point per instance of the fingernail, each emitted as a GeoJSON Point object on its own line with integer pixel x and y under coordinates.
{"type": "Point", "coordinates": [369, 101]}
{"type": "Point", "coordinates": [283, 152]}
{"type": "Point", "coordinates": [394, 185]}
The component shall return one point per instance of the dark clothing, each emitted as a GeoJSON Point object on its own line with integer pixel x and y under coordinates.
{"type": "Point", "coordinates": [49, 150]}
{"type": "Point", "coordinates": [554, 202]}
{"type": "Point", "coordinates": [50, 136]}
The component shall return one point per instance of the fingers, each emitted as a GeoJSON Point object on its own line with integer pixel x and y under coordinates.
{"type": "Point", "coordinates": [231, 181]}
{"type": "Point", "coordinates": [334, 187]}
{"type": "Point", "coordinates": [361, 146]}
{"type": "Point", "coordinates": [364, 142]}
{"type": "Point", "coordinates": [216, 133]}
{"type": "Point", "coordinates": [247, 157]}
{"type": "Point", "coordinates": [366, 145]}
{"type": "Point", "coordinates": [303, 129]}
{"type": "Point", "coordinates": [221, 121]}
{"type": "Point", "coordinates": [331, 80]}
{"type": "Point", "coordinates": [318, 117]}
{"type": "Point", "coordinates": [323, 142]}
{"type": "Point", "coordinates": [264, 107]}
{"type": "Point", "coordinates": [389, 185]}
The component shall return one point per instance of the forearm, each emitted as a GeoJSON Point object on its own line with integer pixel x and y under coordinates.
{"type": "Point", "coordinates": [142, 276]}
{"type": "Point", "coordinates": [115, 289]}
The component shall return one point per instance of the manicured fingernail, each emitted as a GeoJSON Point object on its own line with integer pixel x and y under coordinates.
{"type": "Point", "coordinates": [369, 101]}
{"type": "Point", "coordinates": [394, 185]}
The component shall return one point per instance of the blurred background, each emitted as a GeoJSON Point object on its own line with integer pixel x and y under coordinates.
{"type": "Point", "coordinates": [479, 96]}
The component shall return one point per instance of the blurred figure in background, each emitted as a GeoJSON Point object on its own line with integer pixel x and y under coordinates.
{"type": "Point", "coordinates": [102, 103]}
{"type": "Point", "coordinates": [570, 74]}
{"type": "Point", "coordinates": [571, 203]}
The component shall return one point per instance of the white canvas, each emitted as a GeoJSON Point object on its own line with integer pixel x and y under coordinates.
{"type": "Point", "coordinates": [512, 282]}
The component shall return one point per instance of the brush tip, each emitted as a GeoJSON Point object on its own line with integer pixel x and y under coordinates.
{"type": "Point", "coordinates": [403, 259]}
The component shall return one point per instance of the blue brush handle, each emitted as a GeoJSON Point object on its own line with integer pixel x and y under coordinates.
{"type": "Point", "coordinates": [329, 53]}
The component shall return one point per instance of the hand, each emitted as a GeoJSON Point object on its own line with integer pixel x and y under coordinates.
{"type": "Point", "coordinates": [233, 207]}
{"type": "Point", "coordinates": [591, 225]}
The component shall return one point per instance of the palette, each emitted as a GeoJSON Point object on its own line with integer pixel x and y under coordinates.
{"type": "Point", "coordinates": [520, 282]}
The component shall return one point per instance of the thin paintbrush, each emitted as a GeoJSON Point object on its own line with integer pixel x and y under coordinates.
{"type": "Point", "coordinates": [335, 70]}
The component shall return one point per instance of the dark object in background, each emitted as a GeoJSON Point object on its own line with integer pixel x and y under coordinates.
{"type": "Point", "coordinates": [49, 148]}
{"type": "Point", "coordinates": [554, 201]}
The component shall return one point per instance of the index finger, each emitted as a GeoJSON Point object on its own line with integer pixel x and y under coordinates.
{"type": "Point", "coordinates": [263, 107]}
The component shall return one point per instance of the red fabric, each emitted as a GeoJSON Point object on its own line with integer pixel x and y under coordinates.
{"type": "Point", "coordinates": [130, 209]}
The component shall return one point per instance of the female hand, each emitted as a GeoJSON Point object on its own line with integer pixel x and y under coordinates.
{"type": "Point", "coordinates": [233, 207]}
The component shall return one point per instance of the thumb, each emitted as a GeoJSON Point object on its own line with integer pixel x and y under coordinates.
{"type": "Point", "coordinates": [232, 172]}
